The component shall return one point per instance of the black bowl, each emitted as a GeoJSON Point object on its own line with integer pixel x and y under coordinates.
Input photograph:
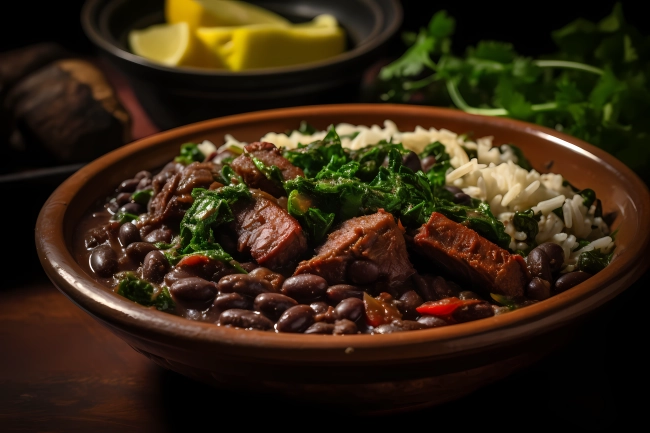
{"type": "Point", "coordinates": [174, 96]}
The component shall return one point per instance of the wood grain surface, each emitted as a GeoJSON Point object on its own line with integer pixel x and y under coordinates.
{"type": "Point", "coordinates": [61, 371]}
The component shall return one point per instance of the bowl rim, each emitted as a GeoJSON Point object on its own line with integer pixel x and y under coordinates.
{"type": "Point", "coordinates": [90, 9]}
{"type": "Point", "coordinates": [128, 316]}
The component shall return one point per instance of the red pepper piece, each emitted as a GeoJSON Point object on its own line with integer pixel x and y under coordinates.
{"type": "Point", "coordinates": [444, 307]}
{"type": "Point", "coordinates": [194, 260]}
{"type": "Point", "coordinates": [378, 311]}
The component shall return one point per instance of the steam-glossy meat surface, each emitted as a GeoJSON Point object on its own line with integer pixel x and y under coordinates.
{"type": "Point", "coordinates": [470, 257]}
{"type": "Point", "coordinates": [372, 243]}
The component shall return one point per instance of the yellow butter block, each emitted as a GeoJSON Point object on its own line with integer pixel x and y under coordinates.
{"type": "Point", "coordinates": [213, 13]}
{"type": "Point", "coordinates": [271, 45]}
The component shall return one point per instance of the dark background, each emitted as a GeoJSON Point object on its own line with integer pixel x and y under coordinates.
{"type": "Point", "coordinates": [526, 25]}
{"type": "Point", "coordinates": [590, 385]}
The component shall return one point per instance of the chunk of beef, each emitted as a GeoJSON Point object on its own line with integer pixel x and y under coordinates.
{"type": "Point", "coordinates": [470, 257]}
{"type": "Point", "coordinates": [269, 155]}
{"type": "Point", "coordinates": [266, 231]}
{"type": "Point", "coordinates": [172, 189]}
{"type": "Point", "coordinates": [362, 245]}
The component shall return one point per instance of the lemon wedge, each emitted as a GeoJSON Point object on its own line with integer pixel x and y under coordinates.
{"type": "Point", "coordinates": [272, 45]}
{"type": "Point", "coordinates": [216, 13]}
{"type": "Point", "coordinates": [172, 45]}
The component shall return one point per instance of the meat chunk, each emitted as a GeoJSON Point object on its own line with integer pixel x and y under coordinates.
{"type": "Point", "coordinates": [172, 189]}
{"type": "Point", "coordinates": [470, 257]}
{"type": "Point", "coordinates": [266, 231]}
{"type": "Point", "coordinates": [269, 155]}
{"type": "Point", "coordinates": [376, 239]}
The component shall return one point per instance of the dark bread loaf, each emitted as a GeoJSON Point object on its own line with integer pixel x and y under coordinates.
{"type": "Point", "coordinates": [66, 111]}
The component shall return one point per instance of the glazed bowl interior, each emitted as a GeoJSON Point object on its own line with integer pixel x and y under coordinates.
{"type": "Point", "coordinates": [583, 165]}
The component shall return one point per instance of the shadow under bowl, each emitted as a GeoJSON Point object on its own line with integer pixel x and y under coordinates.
{"type": "Point", "coordinates": [175, 96]}
{"type": "Point", "coordinates": [362, 373]}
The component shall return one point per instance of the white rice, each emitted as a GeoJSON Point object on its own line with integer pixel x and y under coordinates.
{"type": "Point", "coordinates": [493, 176]}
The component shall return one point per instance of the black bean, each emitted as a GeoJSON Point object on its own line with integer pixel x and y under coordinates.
{"type": "Point", "coordinates": [296, 319]}
{"type": "Point", "coordinates": [274, 278]}
{"type": "Point", "coordinates": [227, 301]}
{"type": "Point", "coordinates": [320, 328]}
{"type": "Point", "coordinates": [538, 289]}
{"type": "Point", "coordinates": [155, 266]}
{"type": "Point", "coordinates": [249, 266]}
{"type": "Point", "coordinates": [412, 161]}
{"type": "Point", "coordinates": [345, 327]}
{"type": "Point", "coordinates": [178, 273]}
{"type": "Point", "coordinates": [424, 286]}
{"type": "Point", "coordinates": [444, 288]}
{"type": "Point", "coordinates": [145, 183]}
{"type": "Point", "coordinates": [123, 198]}
{"type": "Point", "coordinates": [245, 319]}
{"type": "Point", "coordinates": [340, 292]}
{"type": "Point", "coordinates": [244, 284]}
{"type": "Point", "coordinates": [272, 305]}
{"type": "Point", "coordinates": [304, 287]}
{"type": "Point", "coordinates": [399, 326]}
{"type": "Point", "coordinates": [453, 189]}
{"type": "Point", "coordinates": [103, 261]}
{"type": "Point", "coordinates": [194, 292]}
{"type": "Point", "coordinates": [538, 264]}
{"type": "Point", "coordinates": [432, 321]}
{"type": "Point", "coordinates": [351, 309]}
{"type": "Point", "coordinates": [144, 174]}
{"type": "Point", "coordinates": [319, 307]}
{"type": "Point", "coordinates": [128, 185]}
{"type": "Point", "coordinates": [572, 279]}
{"type": "Point", "coordinates": [462, 199]}
{"type": "Point", "coordinates": [363, 272]}
{"type": "Point", "coordinates": [407, 304]}
{"type": "Point", "coordinates": [128, 234]}
{"type": "Point", "coordinates": [471, 312]}
{"type": "Point", "coordinates": [468, 294]}
{"type": "Point", "coordinates": [328, 315]}
{"type": "Point", "coordinates": [387, 328]}
{"type": "Point", "coordinates": [555, 254]}
{"type": "Point", "coordinates": [427, 162]}
{"type": "Point", "coordinates": [136, 251]}
{"type": "Point", "coordinates": [161, 234]}
{"type": "Point", "coordinates": [133, 208]}
{"type": "Point", "coordinates": [409, 325]}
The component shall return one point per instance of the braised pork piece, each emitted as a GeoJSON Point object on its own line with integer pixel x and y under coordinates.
{"type": "Point", "coordinates": [316, 240]}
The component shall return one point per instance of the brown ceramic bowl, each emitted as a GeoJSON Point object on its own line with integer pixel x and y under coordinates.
{"type": "Point", "coordinates": [367, 373]}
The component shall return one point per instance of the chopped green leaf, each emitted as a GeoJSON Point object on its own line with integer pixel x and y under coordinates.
{"type": "Point", "coordinates": [271, 172]}
{"type": "Point", "coordinates": [142, 197]}
{"type": "Point", "coordinates": [190, 153]}
{"type": "Point", "coordinates": [144, 293]}
{"type": "Point", "coordinates": [211, 208]}
{"type": "Point", "coordinates": [527, 222]}
{"type": "Point", "coordinates": [124, 217]}
{"type": "Point", "coordinates": [593, 261]}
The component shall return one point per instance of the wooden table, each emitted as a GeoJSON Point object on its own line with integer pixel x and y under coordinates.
{"type": "Point", "coordinates": [62, 371]}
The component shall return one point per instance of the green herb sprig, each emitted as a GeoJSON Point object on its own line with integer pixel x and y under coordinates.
{"type": "Point", "coordinates": [595, 87]}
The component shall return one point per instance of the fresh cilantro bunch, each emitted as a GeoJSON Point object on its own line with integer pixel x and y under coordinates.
{"type": "Point", "coordinates": [595, 87]}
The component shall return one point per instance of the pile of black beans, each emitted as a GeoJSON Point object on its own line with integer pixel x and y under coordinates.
{"type": "Point", "coordinates": [544, 263]}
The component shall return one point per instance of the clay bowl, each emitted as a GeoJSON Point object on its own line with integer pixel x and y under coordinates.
{"type": "Point", "coordinates": [365, 373]}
